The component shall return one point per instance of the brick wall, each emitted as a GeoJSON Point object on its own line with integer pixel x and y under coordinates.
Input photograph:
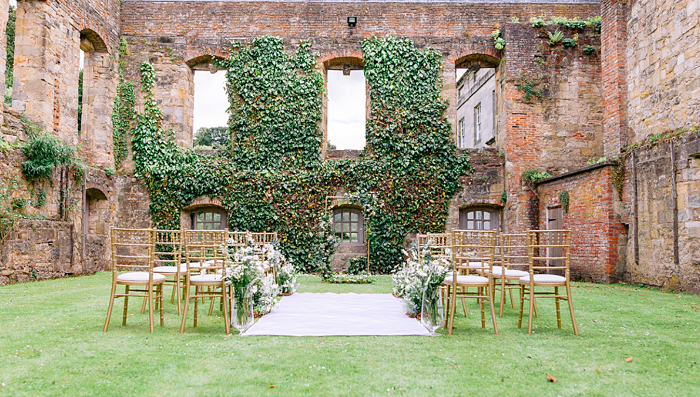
{"type": "Point", "coordinates": [596, 232]}
{"type": "Point", "coordinates": [558, 133]}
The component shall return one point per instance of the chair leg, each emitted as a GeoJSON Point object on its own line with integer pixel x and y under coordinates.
{"type": "Point", "coordinates": [446, 297]}
{"type": "Point", "coordinates": [532, 303]}
{"type": "Point", "coordinates": [493, 310]}
{"type": "Point", "coordinates": [126, 304]}
{"type": "Point", "coordinates": [556, 302]}
{"type": "Point", "coordinates": [150, 306]}
{"type": "Point", "coordinates": [512, 304]}
{"type": "Point", "coordinates": [224, 303]}
{"type": "Point", "coordinates": [172, 296]}
{"type": "Point", "coordinates": [503, 296]}
{"type": "Point", "coordinates": [184, 311]}
{"type": "Point", "coordinates": [522, 302]}
{"type": "Point", "coordinates": [480, 292]}
{"type": "Point", "coordinates": [211, 306]}
{"type": "Point", "coordinates": [464, 307]}
{"type": "Point", "coordinates": [162, 309]}
{"type": "Point", "coordinates": [571, 308]}
{"type": "Point", "coordinates": [196, 304]}
{"type": "Point", "coordinates": [453, 305]}
{"type": "Point", "coordinates": [178, 287]}
{"type": "Point", "coordinates": [111, 304]}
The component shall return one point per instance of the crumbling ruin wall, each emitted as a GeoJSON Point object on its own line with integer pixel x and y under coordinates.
{"type": "Point", "coordinates": [596, 229]}
{"type": "Point", "coordinates": [664, 234]}
{"type": "Point", "coordinates": [663, 66]}
{"type": "Point", "coordinates": [559, 128]}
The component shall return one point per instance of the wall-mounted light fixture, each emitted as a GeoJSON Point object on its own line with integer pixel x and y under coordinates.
{"type": "Point", "coordinates": [352, 21]}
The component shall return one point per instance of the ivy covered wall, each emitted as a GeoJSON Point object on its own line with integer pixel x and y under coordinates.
{"type": "Point", "coordinates": [274, 178]}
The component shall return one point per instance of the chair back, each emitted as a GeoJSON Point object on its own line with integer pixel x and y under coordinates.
{"type": "Point", "coordinates": [473, 251]}
{"type": "Point", "coordinates": [439, 243]}
{"type": "Point", "coordinates": [236, 242]}
{"type": "Point", "coordinates": [262, 238]}
{"type": "Point", "coordinates": [512, 251]}
{"type": "Point", "coordinates": [131, 249]}
{"type": "Point", "coordinates": [167, 248]}
{"type": "Point", "coordinates": [206, 248]}
{"type": "Point", "coordinates": [549, 250]}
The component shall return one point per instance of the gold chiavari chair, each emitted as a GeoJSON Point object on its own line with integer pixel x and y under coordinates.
{"type": "Point", "coordinates": [512, 263]}
{"type": "Point", "coordinates": [205, 247]}
{"type": "Point", "coordinates": [167, 260]}
{"type": "Point", "coordinates": [440, 243]}
{"type": "Point", "coordinates": [472, 252]}
{"type": "Point", "coordinates": [260, 239]}
{"type": "Point", "coordinates": [133, 249]}
{"type": "Point", "coordinates": [547, 250]}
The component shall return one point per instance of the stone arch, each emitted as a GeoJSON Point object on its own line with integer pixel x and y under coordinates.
{"type": "Point", "coordinates": [203, 62]}
{"type": "Point", "coordinates": [199, 204]}
{"type": "Point", "coordinates": [92, 41]}
{"type": "Point", "coordinates": [474, 60]}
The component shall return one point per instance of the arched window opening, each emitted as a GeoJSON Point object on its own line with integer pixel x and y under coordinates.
{"type": "Point", "coordinates": [208, 218]}
{"type": "Point", "coordinates": [347, 104]}
{"type": "Point", "coordinates": [479, 218]}
{"type": "Point", "coordinates": [80, 90]}
{"type": "Point", "coordinates": [210, 108]}
{"type": "Point", "coordinates": [477, 105]}
{"type": "Point", "coordinates": [348, 225]}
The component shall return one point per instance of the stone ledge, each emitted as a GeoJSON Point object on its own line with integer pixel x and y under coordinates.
{"type": "Point", "coordinates": [576, 172]}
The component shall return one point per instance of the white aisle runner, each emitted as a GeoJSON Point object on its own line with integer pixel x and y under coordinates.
{"type": "Point", "coordinates": [328, 314]}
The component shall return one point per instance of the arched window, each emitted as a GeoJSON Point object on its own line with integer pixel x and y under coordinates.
{"type": "Point", "coordinates": [478, 218]}
{"type": "Point", "coordinates": [208, 219]}
{"type": "Point", "coordinates": [348, 224]}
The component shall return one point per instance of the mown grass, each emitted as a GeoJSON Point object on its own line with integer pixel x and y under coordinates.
{"type": "Point", "coordinates": [51, 343]}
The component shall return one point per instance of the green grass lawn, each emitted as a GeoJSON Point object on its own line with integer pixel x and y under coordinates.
{"type": "Point", "coordinates": [51, 343]}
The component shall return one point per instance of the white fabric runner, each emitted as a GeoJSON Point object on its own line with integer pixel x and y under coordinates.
{"type": "Point", "coordinates": [328, 314]}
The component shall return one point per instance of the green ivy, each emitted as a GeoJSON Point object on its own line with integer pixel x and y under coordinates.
{"type": "Point", "coordinates": [274, 178]}
{"type": "Point", "coordinates": [534, 175]}
{"type": "Point", "coordinates": [123, 114]}
{"type": "Point", "coordinates": [564, 200]}
{"type": "Point", "coordinates": [45, 152]}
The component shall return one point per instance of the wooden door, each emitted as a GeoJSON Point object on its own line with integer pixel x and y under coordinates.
{"type": "Point", "coordinates": [555, 222]}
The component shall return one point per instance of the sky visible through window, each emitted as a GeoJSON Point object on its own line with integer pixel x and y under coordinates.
{"type": "Point", "coordinates": [347, 98]}
{"type": "Point", "coordinates": [210, 99]}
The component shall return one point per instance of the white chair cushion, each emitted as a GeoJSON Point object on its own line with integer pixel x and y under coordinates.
{"type": "Point", "coordinates": [169, 269]}
{"type": "Point", "coordinates": [544, 279]}
{"type": "Point", "coordinates": [139, 276]}
{"type": "Point", "coordinates": [498, 271]}
{"type": "Point", "coordinates": [206, 278]}
{"type": "Point", "coordinates": [467, 279]}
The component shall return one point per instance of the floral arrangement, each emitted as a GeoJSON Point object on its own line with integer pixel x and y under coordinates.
{"type": "Point", "coordinates": [420, 273]}
{"type": "Point", "coordinates": [245, 271]}
{"type": "Point", "coordinates": [286, 273]}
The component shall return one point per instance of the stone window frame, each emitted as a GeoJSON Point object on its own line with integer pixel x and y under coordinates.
{"type": "Point", "coordinates": [215, 212]}
{"type": "Point", "coordinates": [338, 228]}
{"type": "Point", "coordinates": [345, 63]}
{"type": "Point", "coordinates": [461, 134]}
{"type": "Point", "coordinates": [494, 215]}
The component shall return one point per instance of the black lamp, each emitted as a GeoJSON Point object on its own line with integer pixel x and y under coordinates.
{"type": "Point", "coordinates": [352, 21]}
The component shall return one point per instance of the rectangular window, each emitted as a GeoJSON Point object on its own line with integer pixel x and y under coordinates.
{"type": "Point", "coordinates": [461, 134]}
{"type": "Point", "coordinates": [477, 123]}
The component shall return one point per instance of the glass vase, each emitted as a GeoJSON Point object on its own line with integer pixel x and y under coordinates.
{"type": "Point", "coordinates": [432, 314]}
{"type": "Point", "coordinates": [242, 309]}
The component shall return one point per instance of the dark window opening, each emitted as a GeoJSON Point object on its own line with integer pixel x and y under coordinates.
{"type": "Point", "coordinates": [348, 225]}
{"type": "Point", "coordinates": [479, 218]}
{"type": "Point", "coordinates": [208, 219]}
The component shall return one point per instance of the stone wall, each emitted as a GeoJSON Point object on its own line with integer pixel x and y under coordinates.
{"type": "Point", "coordinates": [38, 249]}
{"type": "Point", "coordinates": [482, 188]}
{"type": "Point", "coordinates": [559, 132]}
{"type": "Point", "coordinates": [667, 230]}
{"type": "Point", "coordinates": [663, 67]}
{"type": "Point", "coordinates": [596, 229]}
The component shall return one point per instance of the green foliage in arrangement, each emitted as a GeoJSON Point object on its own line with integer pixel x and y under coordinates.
{"type": "Point", "coordinates": [574, 24]}
{"type": "Point", "coordinates": [498, 42]}
{"type": "Point", "coordinates": [555, 37]}
{"type": "Point", "coordinates": [564, 200]}
{"type": "Point", "coordinates": [358, 265]}
{"type": "Point", "coordinates": [274, 178]}
{"type": "Point", "coordinates": [588, 49]}
{"type": "Point", "coordinates": [45, 152]}
{"type": "Point", "coordinates": [528, 89]}
{"type": "Point", "coordinates": [123, 113]}
{"type": "Point", "coordinates": [570, 43]}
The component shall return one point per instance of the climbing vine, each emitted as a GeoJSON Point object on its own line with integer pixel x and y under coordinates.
{"type": "Point", "coordinates": [123, 114]}
{"type": "Point", "coordinates": [274, 178]}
